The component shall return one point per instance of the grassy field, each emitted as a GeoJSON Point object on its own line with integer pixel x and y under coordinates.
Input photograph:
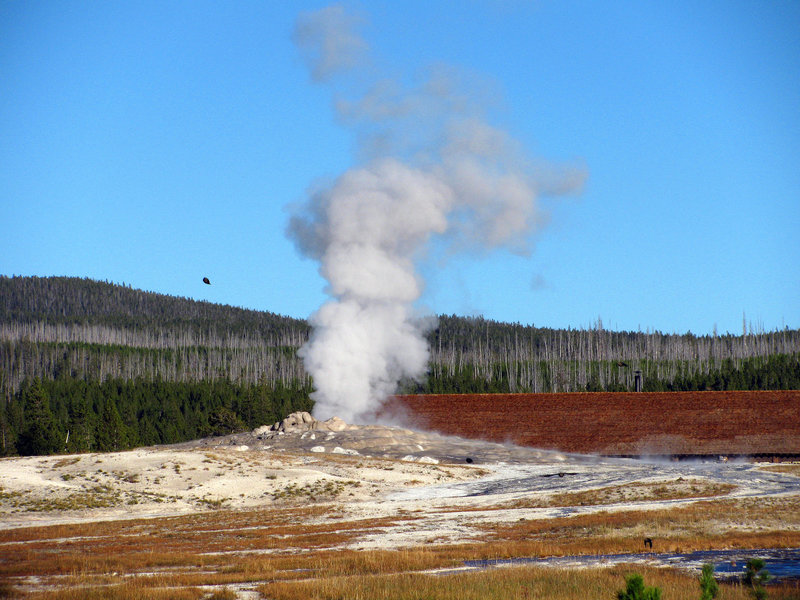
{"type": "Point", "coordinates": [296, 553]}
{"type": "Point", "coordinates": [320, 527]}
{"type": "Point", "coordinates": [529, 583]}
{"type": "Point", "coordinates": [496, 584]}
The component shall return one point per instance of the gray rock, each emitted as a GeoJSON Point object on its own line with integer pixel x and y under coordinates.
{"type": "Point", "coordinates": [303, 421]}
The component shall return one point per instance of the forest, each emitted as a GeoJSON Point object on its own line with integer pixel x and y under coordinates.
{"type": "Point", "coordinates": [91, 365]}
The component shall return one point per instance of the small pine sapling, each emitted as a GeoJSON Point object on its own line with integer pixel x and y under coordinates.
{"type": "Point", "coordinates": [755, 576]}
{"type": "Point", "coordinates": [708, 585]}
{"type": "Point", "coordinates": [636, 590]}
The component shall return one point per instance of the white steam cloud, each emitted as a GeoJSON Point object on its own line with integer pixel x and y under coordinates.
{"type": "Point", "coordinates": [429, 165]}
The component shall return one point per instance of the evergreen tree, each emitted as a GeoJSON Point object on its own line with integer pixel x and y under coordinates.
{"type": "Point", "coordinates": [110, 434]}
{"type": "Point", "coordinates": [81, 423]}
{"type": "Point", "coordinates": [708, 585]}
{"type": "Point", "coordinates": [8, 437]}
{"type": "Point", "coordinates": [755, 576]}
{"type": "Point", "coordinates": [636, 590]}
{"type": "Point", "coordinates": [224, 421]}
{"type": "Point", "coordinates": [40, 435]}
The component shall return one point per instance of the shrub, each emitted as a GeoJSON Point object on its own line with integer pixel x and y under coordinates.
{"type": "Point", "coordinates": [636, 590]}
{"type": "Point", "coordinates": [755, 576]}
{"type": "Point", "coordinates": [708, 585]}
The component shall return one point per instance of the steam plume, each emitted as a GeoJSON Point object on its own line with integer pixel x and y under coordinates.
{"type": "Point", "coordinates": [429, 164]}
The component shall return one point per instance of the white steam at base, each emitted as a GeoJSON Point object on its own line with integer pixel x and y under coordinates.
{"type": "Point", "coordinates": [431, 167]}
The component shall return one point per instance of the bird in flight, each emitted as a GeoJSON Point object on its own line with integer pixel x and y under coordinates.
{"type": "Point", "coordinates": [206, 281]}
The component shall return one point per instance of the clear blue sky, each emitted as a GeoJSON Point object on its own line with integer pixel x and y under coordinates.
{"type": "Point", "coordinates": [154, 143]}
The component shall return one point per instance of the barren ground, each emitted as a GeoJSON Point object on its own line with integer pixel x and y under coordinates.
{"type": "Point", "coordinates": [382, 488]}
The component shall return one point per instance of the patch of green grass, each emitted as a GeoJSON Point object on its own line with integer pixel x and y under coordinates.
{"type": "Point", "coordinates": [12, 496]}
{"type": "Point", "coordinates": [215, 503]}
{"type": "Point", "coordinates": [320, 490]}
{"type": "Point", "coordinates": [100, 496]}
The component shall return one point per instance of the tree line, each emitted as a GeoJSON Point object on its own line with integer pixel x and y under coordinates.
{"type": "Point", "coordinates": [55, 307]}
{"type": "Point", "coordinates": [74, 415]}
{"type": "Point", "coordinates": [67, 337]}
{"type": "Point", "coordinates": [24, 359]}
{"type": "Point", "coordinates": [774, 372]}
{"type": "Point", "coordinates": [523, 358]}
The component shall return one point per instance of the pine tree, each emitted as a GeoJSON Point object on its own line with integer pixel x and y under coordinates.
{"type": "Point", "coordinates": [636, 590]}
{"type": "Point", "coordinates": [40, 435]}
{"type": "Point", "coordinates": [81, 423]}
{"type": "Point", "coordinates": [755, 576]}
{"type": "Point", "coordinates": [110, 434]}
{"type": "Point", "coordinates": [709, 588]}
{"type": "Point", "coordinates": [5, 430]}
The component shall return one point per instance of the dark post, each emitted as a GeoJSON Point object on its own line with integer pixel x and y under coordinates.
{"type": "Point", "coordinates": [637, 380]}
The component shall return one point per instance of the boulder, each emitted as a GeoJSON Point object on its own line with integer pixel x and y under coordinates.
{"type": "Point", "coordinates": [303, 421]}
{"type": "Point", "coordinates": [297, 421]}
{"type": "Point", "coordinates": [333, 424]}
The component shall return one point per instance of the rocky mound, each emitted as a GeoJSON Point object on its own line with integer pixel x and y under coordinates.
{"type": "Point", "coordinates": [301, 432]}
{"type": "Point", "coordinates": [303, 421]}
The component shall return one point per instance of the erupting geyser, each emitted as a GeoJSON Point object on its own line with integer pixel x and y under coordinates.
{"type": "Point", "coordinates": [430, 165]}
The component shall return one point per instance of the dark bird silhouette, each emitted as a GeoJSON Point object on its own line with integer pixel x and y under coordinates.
{"type": "Point", "coordinates": [206, 281]}
{"type": "Point", "coordinates": [622, 364]}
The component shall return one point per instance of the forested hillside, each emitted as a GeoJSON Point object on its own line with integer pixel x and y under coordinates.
{"type": "Point", "coordinates": [69, 327]}
{"type": "Point", "coordinates": [91, 357]}
{"type": "Point", "coordinates": [74, 301]}
{"type": "Point", "coordinates": [476, 355]}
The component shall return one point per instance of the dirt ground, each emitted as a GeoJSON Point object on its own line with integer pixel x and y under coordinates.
{"type": "Point", "coordinates": [362, 488]}
{"type": "Point", "coordinates": [367, 472]}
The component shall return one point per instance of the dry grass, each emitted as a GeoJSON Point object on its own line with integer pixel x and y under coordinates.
{"type": "Point", "coordinates": [66, 462]}
{"type": "Point", "coordinates": [223, 594]}
{"type": "Point", "coordinates": [298, 548]}
{"type": "Point", "coordinates": [97, 495]}
{"type": "Point", "coordinates": [529, 583]}
{"type": "Point", "coordinates": [317, 491]}
{"type": "Point", "coordinates": [678, 489]}
{"type": "Point", "coordinates": [125, 591]}
{"type": "Point", "coordinates": [173, 557]}
{"type": "Point", "coordinates": [717, 524]}
{"type": "Point", "coordinates": [215, 543]}
{"type": "Point", "coordinates": [791, 469]}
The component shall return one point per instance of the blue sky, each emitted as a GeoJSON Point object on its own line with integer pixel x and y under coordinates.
{"type": "Point", "coordinates": [154, 143]}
